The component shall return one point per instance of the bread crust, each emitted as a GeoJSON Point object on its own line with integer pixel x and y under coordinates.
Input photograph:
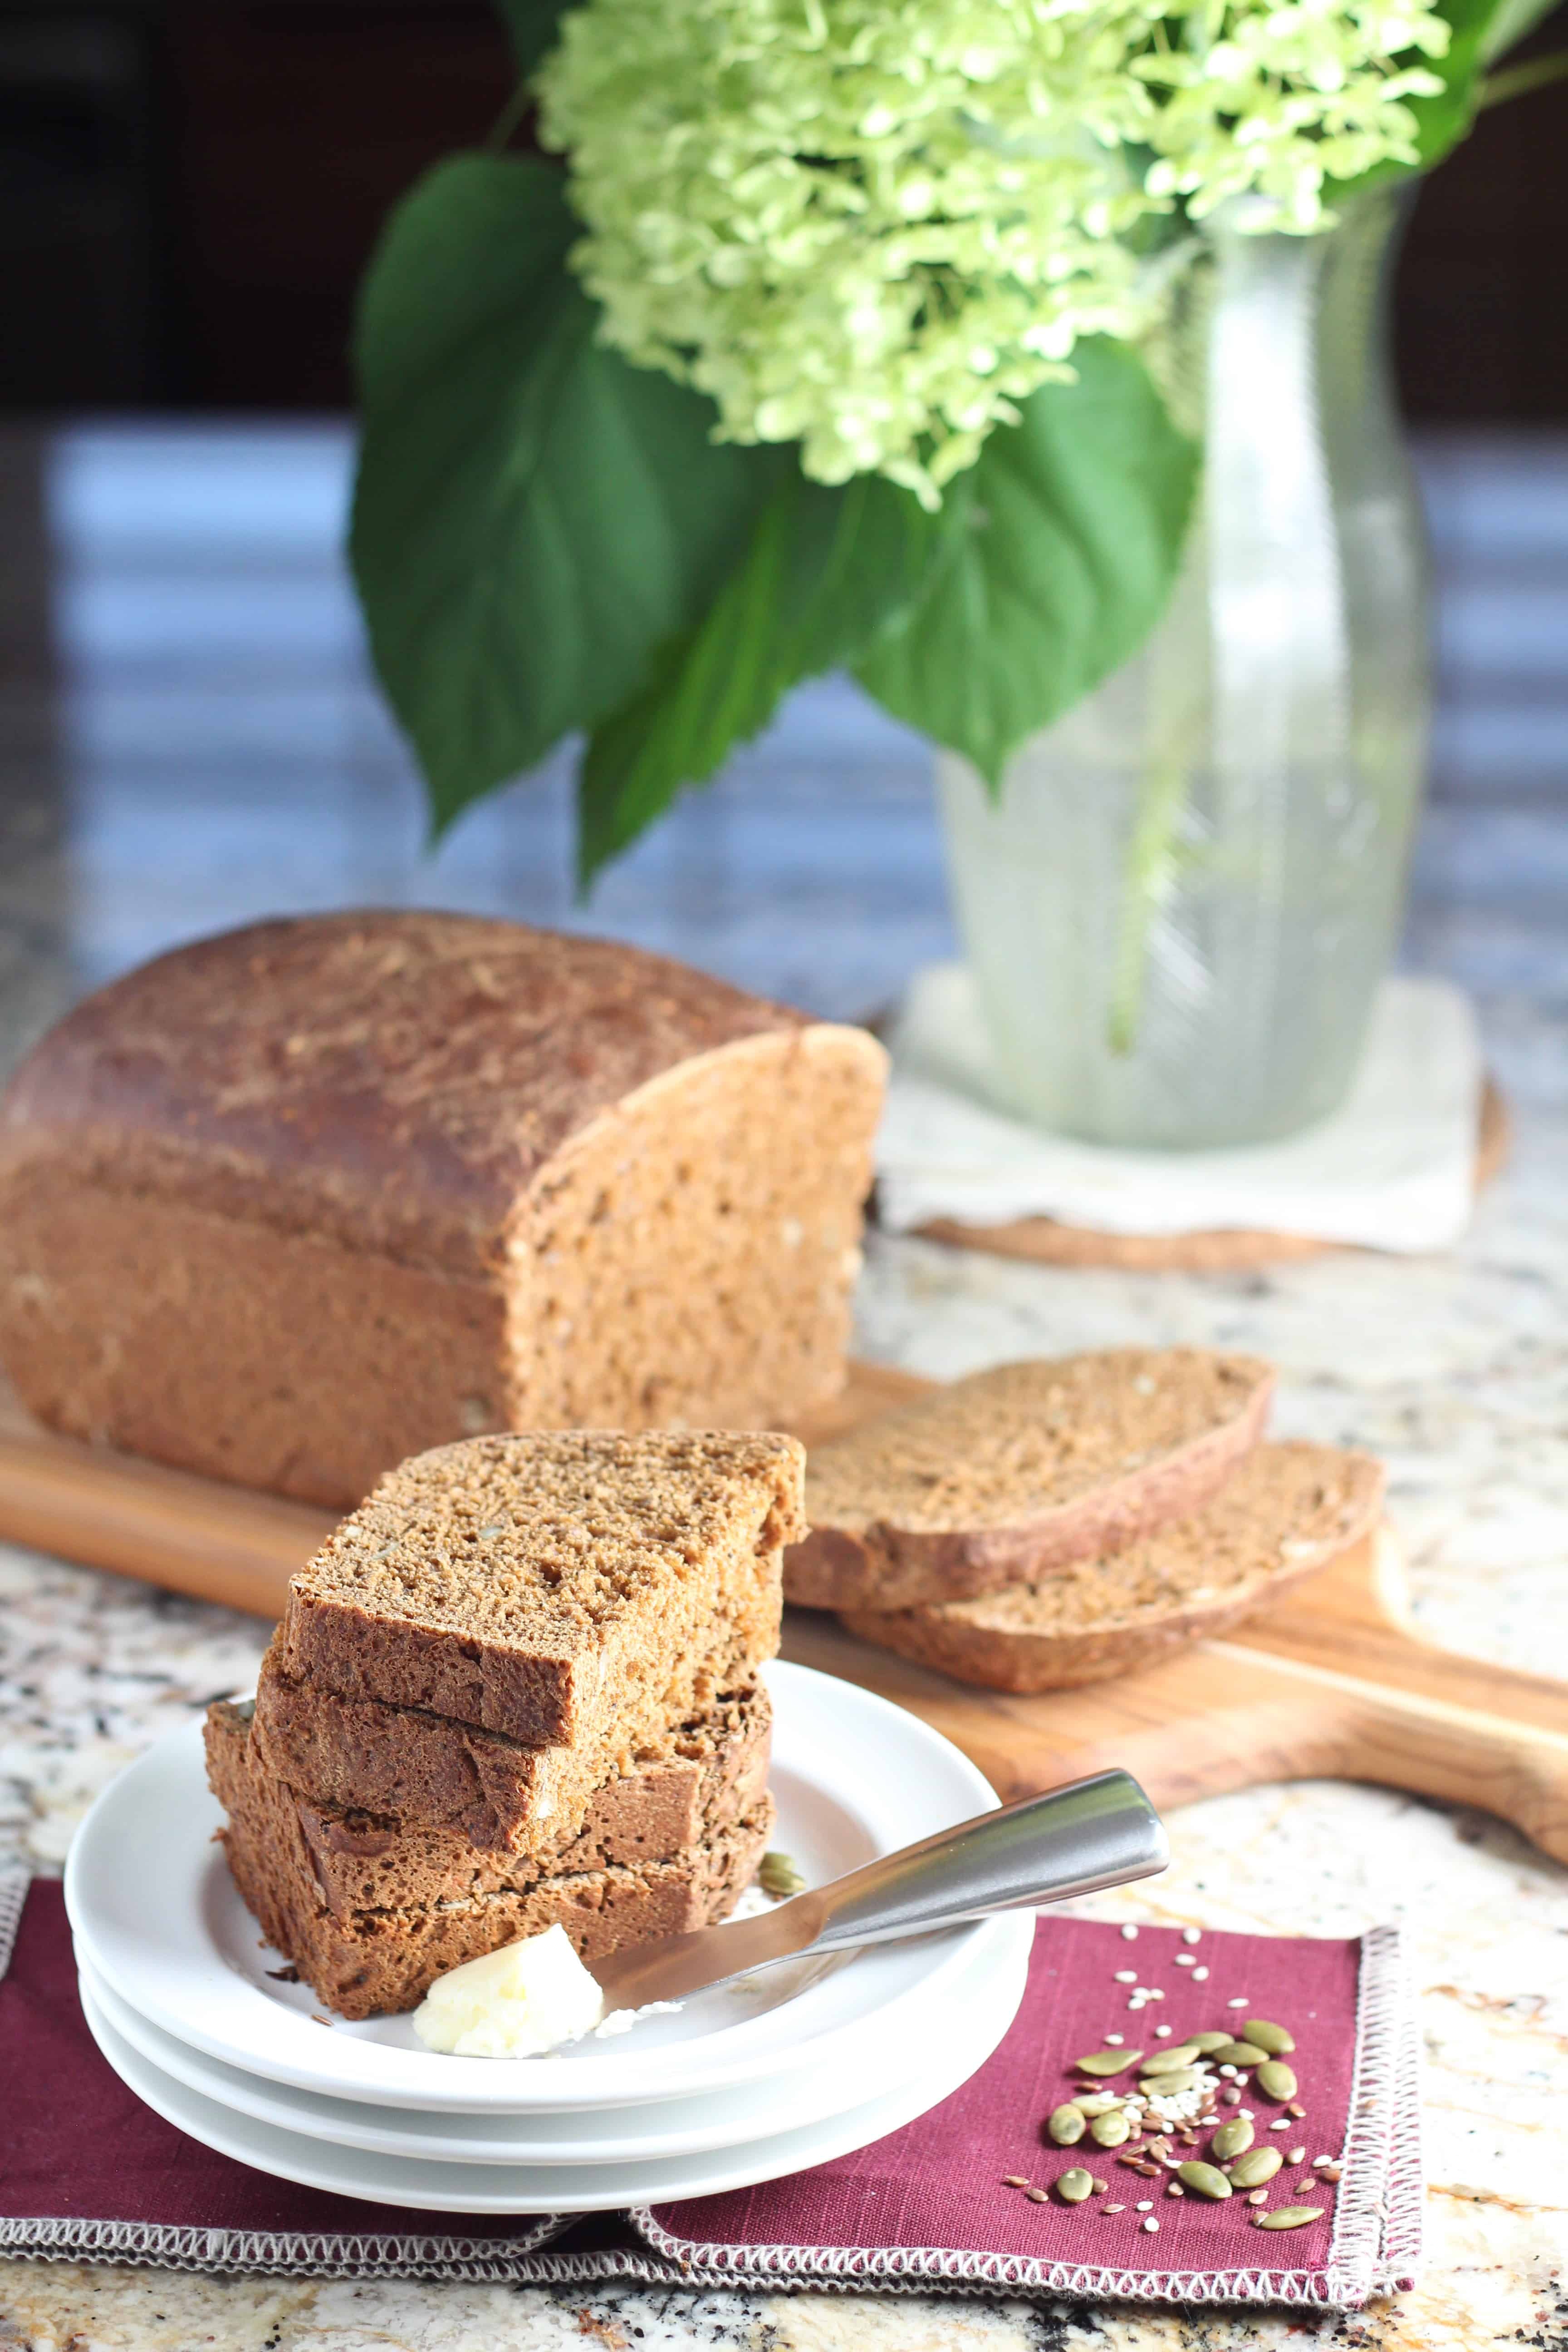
{"type": "Point", "coordinates": [989, 1642]}
{"type": "Point", "coordinates": [877, 1563]}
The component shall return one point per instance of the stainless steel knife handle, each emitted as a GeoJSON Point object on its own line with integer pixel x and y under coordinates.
{"type": "Point", "coordinates": [1092, 1834]}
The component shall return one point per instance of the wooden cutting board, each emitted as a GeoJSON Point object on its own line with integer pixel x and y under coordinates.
{"type": "Point", "coordinates": [1331, 1682]}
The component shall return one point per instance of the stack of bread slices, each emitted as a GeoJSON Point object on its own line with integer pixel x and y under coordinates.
{"type": "Point", "coordinates": [1050, 1523]}
{"type": "Point", "coordinates": [519, 1685]}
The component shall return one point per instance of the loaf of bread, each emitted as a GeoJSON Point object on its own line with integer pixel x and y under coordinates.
{"type": "Point", "coordinates": [295, 1202]}
{"type": "Point", "coordinates": [704, 1777]}
{"type": "Point", "coordinates": [554, 1587]}
{"type": "Point", "coordinates": [1287, 1510]}
{"type": "Point", "coordinates": [1007, 1477]}
{"type": "Point", "coordinates": [381, 1961]}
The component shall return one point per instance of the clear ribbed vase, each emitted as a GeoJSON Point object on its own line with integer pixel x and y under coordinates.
{"type": "Point", "coordinates": [1180, 909]}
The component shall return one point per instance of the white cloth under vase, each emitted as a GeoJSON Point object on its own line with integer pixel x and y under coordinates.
{"type": "Point", "coordinates": [1393, 1168]}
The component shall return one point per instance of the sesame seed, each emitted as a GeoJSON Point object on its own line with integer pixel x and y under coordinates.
{"type": "Point", "coordinates": [1162, 2033]}
{"type": "Point", "coordinates": [1200, 1976]}
{"type": "Point", "coordinates": [1321, 2159]}
{"type": "Point", "coordinates": [1232, 2097]}
{"type": "Point", "coordinates": [1258, 2196]}
{"type": "Point", "coordinates": [1297, 2156]}
{"type": "Point", "coordinates": [1240, 2001]}
{"type": "Point", "coordinates": [1114, 2208]}
{"type": "Point", "coordinates": [1185, 1960]}
{"type": "Point", "coordinates": [1280, 2123]}
{"type": "Point", "coordinates": [1150, 2224]}
{"type": "Point", "coordinates": [1192, 1935]}
{"type": "Point", "coordinates": [1228, 2074]}
{"type": "Point", "coordinates": [1129, 1933]}
{"type": "Point", "coordinates": [1175, 2189]}
{"type": "Point", "coordinates": [1144, 2205]}
{"type": "Point", "coordinates": [1125, 1976]}
{"type": "Point", "coordinates": [1113, 2041]}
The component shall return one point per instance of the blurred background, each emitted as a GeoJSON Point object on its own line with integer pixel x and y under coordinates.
{"type": "Point", "coordinates": [189, 732]}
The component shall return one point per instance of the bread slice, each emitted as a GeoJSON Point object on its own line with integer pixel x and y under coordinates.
{"type": "Point", "coordinates": [705, 1774]}
{"type": "Point", "coordinates": [375, 1961]}
{"type": "Point", "coordinates": [548, 1586]}
{"type": "Point", "coordinates": [1287, 1510]}
{"type": "Point", "coordinates": [1003, 1477]}
{"type": "Point", "coordinates": [288, 1205]}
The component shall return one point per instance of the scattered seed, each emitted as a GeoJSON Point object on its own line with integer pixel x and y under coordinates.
{"type": "Point", "coordinates": [1280, 2123]}
{"type": "Point", "coordinates": [1176, 2060]}
{"type": "Point", "coordinates": [1175, 2189]}
{"type": "Point", "coordinates": [1109, 2131]}
{"type": "Point", "coordinates": [1185, 1960]}
{"type": "Point", "coordinates": [1107, 2062]}
{"type": "Point", "coordinates": [1036, 2196]}
{"type": "Point", "coordinates": [1257, 2195]}
{"type": "Point", "coordinates": [1067, 2125]}
{"type": "Point", "coordinates": [1231, 2097]}
{"type": "Point", "coordinates": [1209, 2042]}
{"type": "Point", "coordinates": [1275, 2079]}
{"type": "Point", "coordinates": [1015, 2181]}
{"type": "Point", "coordinates": [1114, 2208]}
{"type": "Point", "coordinates": [1192, 1935]}
{"type": "Point", "coordinates": [1096, 2103]}
{"type": "Point", "coordinates": [1200, 1976]}
{"type": "Point", "coordinates": [1232, 2139]}
{"type": "Point", "coordinates": [1100, 2187]}
{"type": "Point", "coordinates": [1241, 2054]}
{"type": "Point", "coordinates": [1318, 2161]}
{"type": "Point", "coordinates": [1129, 1933]}
{"type": "Point", "coordinates": [1275, 2039]}
{"type": "Point", "coordinates": [1144, 2205]}
{"type": "Point", "coordinates": [1297, 2156]}
{"type": "Point", "coordinates": [1330, 2171]}
{"type": "Point", "coordinates": [1075, 2185]}
{"type": "Point", "coordinates": [1296, 2109]}
{"type": "Point", "coordinates": [1208, 2179]}
{"type": "Point", "coordinates": [780, 1876]}
{"type": "Point", "coordinates": [1289, 2217]}
{"type": "Point", "coordinates": [1125, 1976]}
{"type": "Point", "coordinates": [1162, 2032]}
{"type": "Point", "coordinates": [1254, 2167]}
{"type": "Point", "coordinates": [1240, 2002]}
{"type": "Point", "coordinates": [1150, 2224]}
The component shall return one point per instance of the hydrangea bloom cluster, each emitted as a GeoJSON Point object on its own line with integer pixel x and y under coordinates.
{"type": "Point", "coordinates": [874, 228]}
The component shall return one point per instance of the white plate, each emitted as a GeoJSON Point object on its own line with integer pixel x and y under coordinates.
{"type": "Point", "coordinates": [434, 2187]}
{"type": "Point", "coordinates": [880, 2063]}
{"type": "Point", "coordinates": [157, 1914]}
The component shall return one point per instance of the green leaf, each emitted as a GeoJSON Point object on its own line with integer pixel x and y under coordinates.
{"type": "Point", "coordinates": [532, 517]}
{"type": "Point", "coordinates": [530, 28]}
{"type": "Point", "coordinates": [1070, 530]}
{"type": "Point", "coordinates": [826, 570]}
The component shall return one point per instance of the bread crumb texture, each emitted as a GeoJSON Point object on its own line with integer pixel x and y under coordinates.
{"type": "Point", "coordinates": [1007, 1473]}
{"type": "Point", "coordinates": [1287, 1510]}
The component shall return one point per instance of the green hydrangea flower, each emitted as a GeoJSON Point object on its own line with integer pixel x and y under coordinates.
{"type": "Point", "coordinates": [873, 228]}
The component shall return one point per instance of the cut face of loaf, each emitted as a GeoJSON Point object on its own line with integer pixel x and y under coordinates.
{"type": "Point", "coordinates": [374, 1962]}
{"type": "Point", "coordinates": [548, 1586]}
{"type": "Point", "coordinates": [459, 1783]}
{"type": "Point", "coordinates": [1287, 1510]}
{"type": "Point", "coordinates": [293, 1204]}
{"type": "Point", "coordinates": [1004, 1477]}
{"type": "Point", "coordinates": [703, 1778]}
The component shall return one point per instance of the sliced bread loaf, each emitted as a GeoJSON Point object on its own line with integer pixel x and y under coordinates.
{"type": "Point", "coordinates": [703, 1776]}
{"type": "Point", "coordinates": [546, 1585]}
{"type": "Point", "coordinates": [370, 1962]}
{"type": "Point", "coordinates": [1002, 1478]}
{"type": "Point", "coordinates": [288, 1205]}
{"type": "Point", "coordinates": [1287, 1510]}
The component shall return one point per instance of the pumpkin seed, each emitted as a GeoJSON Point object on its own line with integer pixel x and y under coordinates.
{"type": "Point", "coordinates": [1107, 2062]}
{"type": "Point", "coordinates": [1206, 2044]}
{"type": "Point", "coordinates": [1275, 2079]}
{"type": "Point", "coordinates": [1289, 2217]}
{"type": "Point", "coordinates": [1096, 2103]}
{"type": "Point", "coordinates": [1066, 2125]}
{"type": "Point", "coordinates": [1075, 2185]}
{"type": "Point", "coordinates": [1208, 2179]}
{"type": "Point", "coordinates": [1170, 2061]}
{"type": "Point", "coordinates": [1239, 2053]}
{"type": "Point", "coordinates": [780, 1876]}
{"type": "Point", "coordinates": [1257, 2165]}
{"type": "Point", "coordinates": [1172, 2085]}
{"type": "Point", "coordinates": [1109, 2131]}
{"type": "Point", "coordinates": [1232, 2139]}
{"type": "Point", "coordinates": [1275, 2039]}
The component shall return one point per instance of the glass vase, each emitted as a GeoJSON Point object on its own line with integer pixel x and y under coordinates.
{"type": "Point", "coordinates": [1179, 909]}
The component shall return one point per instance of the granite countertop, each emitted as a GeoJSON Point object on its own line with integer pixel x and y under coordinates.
{"type": "Point", "coordinates": [1454, 1369]}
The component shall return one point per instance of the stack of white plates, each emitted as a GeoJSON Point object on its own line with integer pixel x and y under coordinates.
{"type": "Point", "coordinates": [802, 2062]}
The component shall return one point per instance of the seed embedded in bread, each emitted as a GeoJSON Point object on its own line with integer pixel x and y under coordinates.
{"type": "Point", "coordinates": [1008, 1476]}
{"type": "Point", "coordinates": [1287, 1509]}
{"type": "Point", "coordinates": [540, 1585]}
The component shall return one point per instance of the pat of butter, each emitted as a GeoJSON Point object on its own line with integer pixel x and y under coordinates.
{"type": "Point", "coordinates": [530, 1997]}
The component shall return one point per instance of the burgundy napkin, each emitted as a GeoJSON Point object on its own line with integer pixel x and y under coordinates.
{"type": "Point", "coordinates": [88, 2172]}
